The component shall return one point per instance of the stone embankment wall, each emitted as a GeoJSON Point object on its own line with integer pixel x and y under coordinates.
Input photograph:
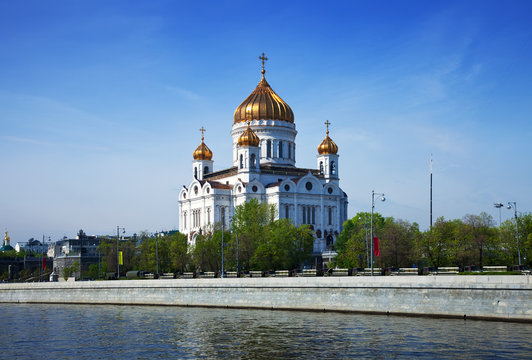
{"type": "Point", "coordinates": [481, 297]}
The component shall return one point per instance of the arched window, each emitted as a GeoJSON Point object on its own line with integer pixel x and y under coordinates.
{"type": "Point", "coordinates": [196, 172]}
{"type": "Point", "coordinates": [289, 150]}
{"type": "Point", "coordinates": [206, 170]}
{"type": "Point", "coordinates": [253, 160]}
{"type": "Point", "coordinates": [241, 161]}
{"type": "Point", "coordinates": [269, 149]}
{"type": "Point", "coordinates": [321, 167]}
{"type": "Point", "coordinates": [280, 149]}
{"type": "Point", "coordinates": [333, 168]}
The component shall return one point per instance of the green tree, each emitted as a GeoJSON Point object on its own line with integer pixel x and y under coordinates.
{"type": "Point", "coordinates": [436, 246]}
{"type": "Point", "coordinates": [351, 243]}
{"type": "Point", "coordinates": [397, 243]}
{"type": "Point", "coordinates": [285, 246]}
{"type": "Point", "coordinates": [250, 221]}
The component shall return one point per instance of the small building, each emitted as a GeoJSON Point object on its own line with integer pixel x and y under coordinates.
{"type": "Point", "coordinates": [6, 246]}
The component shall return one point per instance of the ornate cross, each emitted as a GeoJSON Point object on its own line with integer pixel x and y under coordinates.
{"type": "Point", "coordinates": [327, 123]}
{"type": "Point", "coordinates": [202, 131]}
{"type": "Point", "coordinates": [263, 58]}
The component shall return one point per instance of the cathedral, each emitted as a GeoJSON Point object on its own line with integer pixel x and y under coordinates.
{"type": "Point", "coordinates": [264, 168]}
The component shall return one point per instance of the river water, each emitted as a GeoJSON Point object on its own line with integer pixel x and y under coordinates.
{"type": "Point", "coordinates": [29, 331]}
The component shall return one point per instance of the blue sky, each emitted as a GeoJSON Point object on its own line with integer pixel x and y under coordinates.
{"type": "Point", "coordinates": [101, 103]}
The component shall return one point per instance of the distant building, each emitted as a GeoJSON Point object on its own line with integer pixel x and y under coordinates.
{"type": "Point", "coordinates": [6, 246]}
{"type": "Point", "coordinates": [32, 245]}
{"type": "Point", "coordinates": [83, 249]}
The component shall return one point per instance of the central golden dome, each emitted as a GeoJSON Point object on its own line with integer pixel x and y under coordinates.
{"type": "Point", "coordinates": [263, 104]}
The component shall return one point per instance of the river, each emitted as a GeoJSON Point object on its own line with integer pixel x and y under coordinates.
{"type": "Point", "coordinates": [31, 331]}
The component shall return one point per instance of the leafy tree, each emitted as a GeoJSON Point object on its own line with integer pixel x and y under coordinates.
{"type": "Point", "coordinates": [351, 243]}
{"type": "Point", "coordinates": [436, 246]}
{"type": "Point", "coordinates": [285, 246]}
{"type": "Point", "coordinates": [397, 240]}
{"type": "Point", "coordinates": [250, 221]}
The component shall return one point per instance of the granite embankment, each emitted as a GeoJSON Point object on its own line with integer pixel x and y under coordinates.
{"type": "Point", "coordinates": [479, 297]}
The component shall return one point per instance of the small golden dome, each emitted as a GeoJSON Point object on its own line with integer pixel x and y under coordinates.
{"type": "Point", "coordinates": [202, 152]}
{"type": "Point", "coordinates": [248, 138]}
{"type": "Point", "coordinates": [263, 104]}
{"type": "Point", "coordinates": [327, 146]}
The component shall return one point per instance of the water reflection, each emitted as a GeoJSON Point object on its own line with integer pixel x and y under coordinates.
{"type": "Point", "coordinates": [135, 332]}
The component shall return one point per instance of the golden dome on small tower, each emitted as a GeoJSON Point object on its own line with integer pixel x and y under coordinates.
{"type": "Point", "coordinates": [263, 104]}
{"type": "Point", "coordinates": [327, 146]}
{"type": "Point", "coordinates": [248, 138]}
{"type": "Point", "coordinates": [202, 152]}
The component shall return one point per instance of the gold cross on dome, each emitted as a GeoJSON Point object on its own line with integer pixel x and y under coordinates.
{"type": "Point", "coordinates": [263, 58]}
{"type": "Point", "coordinates": [327, 123]}
{"type": "Point", "coordinates": [202, 131]}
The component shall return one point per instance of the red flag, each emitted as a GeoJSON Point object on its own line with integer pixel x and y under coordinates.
{"type": "Point", "coordinates": [44, 263]}
{"type": "Point", "coordinates": [376, 246]}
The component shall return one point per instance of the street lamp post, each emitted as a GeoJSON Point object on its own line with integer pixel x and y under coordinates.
{"type": "Point", "coordinates": [157, 254]}
{"type": "Point", "coordinates": [373, 193]}
{"type": "Point", "coordinates": [499, 206]}
{"type": "Point", "coordinates": [366, 228]}
{"type": "Point", "coordinates": [514, 205]}
{"type": "Point", "coordinates": [222, 248]}
{"type": "Point", "coordinates": [118, 228]}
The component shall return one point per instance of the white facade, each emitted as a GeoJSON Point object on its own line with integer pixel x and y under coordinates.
{"type": "Point", "coordinates": [268, 173]}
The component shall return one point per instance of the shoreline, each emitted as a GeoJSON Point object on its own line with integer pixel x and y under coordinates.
{"type": "Point", "coordinates": [491, 298]}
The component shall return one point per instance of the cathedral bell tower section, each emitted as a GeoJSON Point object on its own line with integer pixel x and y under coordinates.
{"type": "Point", "coordinates": [328, 158]}
{"type": "Point", "coordinates": [202, 164]}
{"type": "Point", "coordinates": [248, 154]}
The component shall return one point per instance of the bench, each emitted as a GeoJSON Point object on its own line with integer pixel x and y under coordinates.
{"type": "Point", "coordinates": [339, 272]}
{"type": "Point", "coordinates": [494, 268]}
{"type": "Point", "coordinates": [447, 270]}
{"type": "Point", "coordinates": [167, 276]}
{"type": "Point", "coordinates": [376, 271]}
{"type": "Point", "coordinates": [408, 271]}
{"type": "Point", "coordinates": [207, 275]}
{"type": "Point", "coordinates": [187, 275]}
{"type": "Point", "coordinates": [255, 274]}
{"type": "Point", "coordinates": [282, 273]}
{"type": "Point", "coordinates": [308, 272]}
{"type": "Point", "coordinates": [231, 274]}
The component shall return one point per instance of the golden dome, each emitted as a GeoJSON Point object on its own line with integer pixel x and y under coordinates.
{"type": "Point", "coordinates": [202, 152]}
{"type": "Point", "coordinates": [248, 138]}
{"type": "Point", "coordinates": [263, 104]}
{"type": "Point", "coordinates": [327, 146]}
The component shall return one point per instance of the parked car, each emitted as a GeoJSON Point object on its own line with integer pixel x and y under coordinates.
{"type": "Point", "coordinates": [523, 268]}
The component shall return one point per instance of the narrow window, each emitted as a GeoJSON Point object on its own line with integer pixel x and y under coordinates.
{"type": "Point", "coordinates": [185, 220]}
{"type": "Point", "coordinates": [313, 215]}
{"type": "Point", "coordinates": [321, 167]}
{"type": "Point", "coordinates": [280, 149]}
{"type": "Point", "coordinates": [286, 212]}
{"type": "Point", "coordinates": [223, 215]}
{"type": "Point", "coordinates": [196, 172]}
{"type": "Point", "coordinates": [241, 161]}
{"type": "Point", "coordinates": [289, 150]}
{"type": "Point", "coordinates": [253, 159]}
{"type": "Point", "coordinates": [206, 170]}
{"type": "Point", "coordinates": [333, 168]}
{"type": "Point", "coordinates": [269, 149]}
{"type": "Point", "coordinates": [304, 215]}
{"type": "Point", "coordinates": [330, 216]}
